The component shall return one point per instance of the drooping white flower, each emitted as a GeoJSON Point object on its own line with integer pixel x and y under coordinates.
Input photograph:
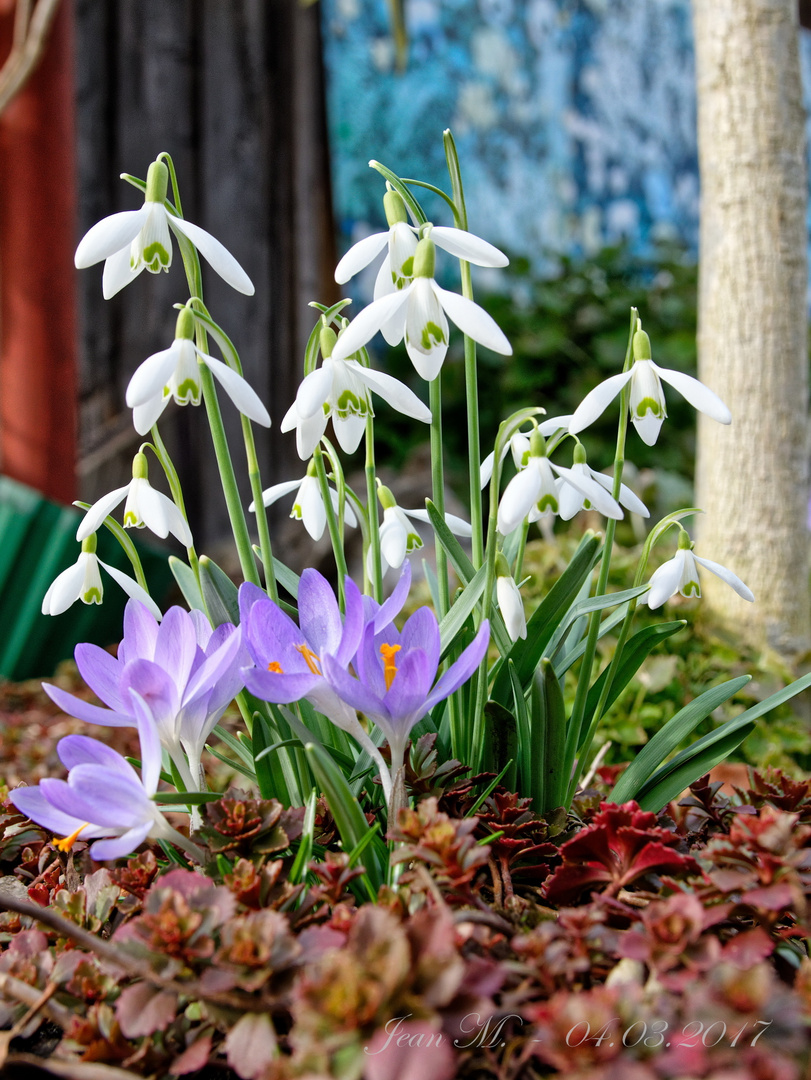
{"type": "Point", "coordinates": [144, 507]}
{"type": "Point", "coordinates": [510, 603]}
{"type": "Point", "coordinates": [398, 537]}
{"type": "Point", "coordinates": [518, 445]}
{"type": "Point", "coordinates": [680, 575]}
{"type": "Point", "coordinates": [574, 498]}
{"type": "Point", "coordinates": [647, 398]}
{"type": "Point", "coordinates": [340, 390]}
{"type": "Point", "coordinates": [82, 581]}
{"type": "Point", "coordinates": [308, 505]}
{"type": "Point", "coordinates": [419, 312]}
{"type": "Point", "coordinates": [138, 240]}
{"type": "Point", "coordinates": [175, 372]}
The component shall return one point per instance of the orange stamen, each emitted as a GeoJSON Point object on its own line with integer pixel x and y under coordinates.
{"type": "Point", "coordinates": [310, 658]}
{"type": "Point", "coordinates": [388, 652]}
{"type": "Point", "coordinates": [67, 843]}
{"type": "Point", "coordinates": [275, 667]}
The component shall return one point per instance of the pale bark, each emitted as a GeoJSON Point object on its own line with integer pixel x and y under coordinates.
{"type": "Point", "coordinates": [752, 477]}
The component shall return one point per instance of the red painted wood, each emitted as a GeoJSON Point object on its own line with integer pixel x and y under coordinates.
{"type": "Point", "coordinates": [38, 333]}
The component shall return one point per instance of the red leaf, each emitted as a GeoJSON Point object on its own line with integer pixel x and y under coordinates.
{"type": "Point", "coordinates": [142, 1010]}
{"type": "Point", "coordinates": [193, 1058]}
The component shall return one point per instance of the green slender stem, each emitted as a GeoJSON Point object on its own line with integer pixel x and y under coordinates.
{"type": "Point", "coordinates": [518, 568]}
{"type": "Point", "coordinates": [125, 540]}
{"type": "Point", "coordinates": [573, 740]}
{"type": "Point", "coordinates": [376, 581]}
{"type": "Point", "coordinates": [335, 534]}
{"type": "Point", "coordinates": [173, 176]}
{"type": "Point", "coordinates": [170, 472]}
{"type": "Point", "coordinates": [438, 489]}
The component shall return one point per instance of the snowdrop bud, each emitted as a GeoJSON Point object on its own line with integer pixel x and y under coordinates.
{"type": "Point", "coordinates": [184, 327]}
{"type": "Point", "coordinates": [425, 258]}
{"type": "Point", "coordinates": [157, 182]}
{"type": "Point", "coordinates": [641, 346]}
{"type": "Point", "coordinates": [509, 599]}
{"type": "Point", "coordinates": [395, 207]}
{"type": "Point", "coordinates": [387, 500]}
{"type": "Point", "coordinates": [327, 339]}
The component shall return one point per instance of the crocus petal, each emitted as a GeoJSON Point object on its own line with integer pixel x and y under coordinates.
{"type": "Point", "coordinates": [359, 256]}
{"type": "Point", "coordinates": [597, 401]}
{"type": "Point", "coordinates": [421, 631]}
{"type": "Point", "coordinates": [465, 245]}
{"type": "Point", "coordinates": [406, 700]}
{"type": "Point", "coordinates": [94, 517]}
{"type": "Point", "coordinates": [140, 633]}
{"type": "Point", "coordinates": [76, 750]}
{"type": "Point", "coordinates": [133, 589]}
{"type": "Point", "coordinates": [119, 846]}
{"type": "Point", "coordinates": [31, 802]}
{"type": "Point", "coordinates": [367, 323]}
{"type": "Point", "coordinates": [118, 272]}
{"type": "Point", "coordinates": [219, 257]}
{"type": "Point", "coordinates": [84, 710]}
{"type": "Point", "coordinates": [151, 377]}
{"type": "Point", "coordinates": [396, 393]}
{"type": "Point", "coordinates": [102, 673]}
{"type": "Point", "coordinates": [731, 579]}
{"type": "Point", "coordinates": [240, 392]}
{"type": "Point", "coordinates": [150, 745]}
{"type": "Point", "coordinates": [279, 688]}
{"type": "Point", "coordinates": [698, 395]}
{"type": "Point", "coordinates": [109, 235]}
{"type": "Point", "coordinates": [65, 589]}
{"type": "Point", "coordinates": [474, 321]}
{"type": "Point", "coordinates": [91, 794]}
{"type": "Point", "coordinates": [352, 691]}
{"type": "Point", "coordinates": [277, 491]}
{"type": "Point", "coordinates": [176, 645]}
{"type": "Point", "coordinates": [392, 606]}
{"type": "Point", "coordinates": [319, 614]}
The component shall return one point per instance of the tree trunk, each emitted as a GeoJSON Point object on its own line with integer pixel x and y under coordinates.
{"type": "Point", "coordinates": [752, 477]}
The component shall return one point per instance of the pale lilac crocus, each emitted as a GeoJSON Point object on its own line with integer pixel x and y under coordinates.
{"type": "Point", "coordinates": [103, 796]}
{"type": "Point", "coordinates": [181, 674]}
{"type": "Point", "coordinates": [289, 659]}
{"type": "Point", "coordinates": [396, 672]}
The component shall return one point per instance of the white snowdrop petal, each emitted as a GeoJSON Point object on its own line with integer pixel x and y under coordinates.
{"type": "Point", "coordinates": [396, 393]}
{"type": "Point", "coordinates": [696, 393]}
{"type": "Point", "coordinates": [517, 501]}
{"type": "Point", "coordinates": [511, 607]}
{"type": "Point", "coordinates": [133, 589]}
{"type": "Point", "coordinates": [65, 589]}
{"type": "Point", "coordinates": [464, 245]}
{"type": "Point", "coordinates": [664, 583]}
{"type": "Point", "coordinates": [99, 511]}
{"type": "Point", "coordinates": [367, 323]}
{"type": "Point", "coordinates": [349, 432]}
{"type": "Point", "coordinates": [359, 256]}
{"type": "Point", "coordinates": [629, 499]}
{"type": "Point", "coordinates": [118, 273]}
{"type": "Point", "coordinates": [553, 424]}
{"type": "Point", "coordinates": [731, 579]}
{"type": "Point", "coordinates": [648, 427]}
{"type": "Point", "coordinates": [218, 256]}
{"type": "Point", "coordinates": [240, 392]}
{"type": "Point", "coordinates": [153, 374]}
{"type": "Point", "coordinates": [109, 235]}
{"type": "Point", "coordinates": [474, 321]}
{"type": "Point", "coordinates": [315, 389]}
{"type": "Point", "coordinates": [146, 415]}
{"type": "Point", "coordinates": [384, 285]}
{"type": "Point", "coordinates": [308, 434]}
{"type": "Point", "coordinates": [277, 491]}
{"type": "Point", "coordinates": [597, 401]}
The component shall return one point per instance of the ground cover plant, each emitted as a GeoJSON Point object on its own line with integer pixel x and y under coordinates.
{"type": "Point", "coordinates": [422, 864]}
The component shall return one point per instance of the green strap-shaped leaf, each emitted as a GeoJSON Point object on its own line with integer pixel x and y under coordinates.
{"type": "Point", "coordinates": [669, 784]}
{"type": "Point", "coordinates": [187, 583]}
{"type": "Point", "coordinates": [640, 772]}
{"type": "Point", "coordinates": [461, 610]}
{"type": "Point", "coordinates": [547, 721]}
{"type": "Point", "coordinates": [219, 593]}
{"type": "Point", "coordinates": [500, 743]}
{"type": "Point", "coordinates": [186, 798]}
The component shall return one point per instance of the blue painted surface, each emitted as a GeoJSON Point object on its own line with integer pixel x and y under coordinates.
{"type": "Point", "coordinates": [574, 119]}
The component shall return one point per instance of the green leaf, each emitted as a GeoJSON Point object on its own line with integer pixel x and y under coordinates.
{"type": "Point", "coordinates": [500, 742]}
{"type": "Point", "coordinates": [187, 583]}
{"type": "Point", "coordinates": [235, 744]}
{"type": "Point", "coordinates": [219, 593]}
{"type": "Point", "coordinates": [640, 773]}
{"type": "Point", "coordinates": [305, 848]}
{"type": "Point", "coordinates": [417, 212]}
{"type": "Point", "coordinates": [345, 808]}
{"type": "Point", "coordinates": [669, 783]}
{"type": "Point", "coordinates": [522, 721]}
{"type": "Point", "coordinates": [547, 721]}
{"type": "Point", "coordinates": [458, 615]}
{"type": "Point", "coordinates": [185, 798]}
{"type": "Point", "coordinates": [261, 739]}
{"type": "Point", "coordinates": [564, 657]}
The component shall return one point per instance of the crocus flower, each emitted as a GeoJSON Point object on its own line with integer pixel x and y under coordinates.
{"type": "Point", "coordinates": [647, 398]}
{"type": "Point", "coordinates": [103, 796]}
{"type": "Point", "coordinates": [340, 390]}
{"type": "Point", "coordinates": [419, 312]}
{"type": "Point", "coordinates": [144, 506]}
{"type": "Point", "coordinates": [680, 574]}
{"type": "Point", "coordinates": [82, 581]}
{"type": "Point", "coordinates": [175, 372]}
{"type": "Point", "coordinates": [308, 505]}
{"type": "Point", "coordinates": [396, 670]}
{"type": "Point", "coordinates": [289, 659]}
{"type": "Point", "coordinates": [137, 240]}
{"type": "Point", "coordinates": [183, 673]}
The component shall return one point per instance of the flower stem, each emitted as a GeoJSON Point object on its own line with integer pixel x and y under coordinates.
{"type": "Point", "coordinates": [438, 490]}
{"type": "Point", "coordinates": [332, 523]}
{"type": "Point", "coordinates": [168, 466]}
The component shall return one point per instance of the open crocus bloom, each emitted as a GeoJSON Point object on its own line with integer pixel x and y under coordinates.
{"type": "Point", "coordinates": [137, 240]}
{"type": "Point", "coordinates": [103, 796]}
{"type": "Point", "coordinates": [181, 675]}
{"type": "Point", "coordinates": [680, 575]}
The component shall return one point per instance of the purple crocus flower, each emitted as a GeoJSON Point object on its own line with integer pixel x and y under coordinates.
{"type": "Point", "coordinates": [289, 659]}
{"type": "Point", "coordinates": [396, 671]}
{"type": "Point", "coordinates": [103, 796]}
{"type": "Point", "coordinates": [184, 673]}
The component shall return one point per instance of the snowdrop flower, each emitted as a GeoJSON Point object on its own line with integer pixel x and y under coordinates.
{"type": "Point", "coordinates": [680, 574]}
{"type": "Point", "coordinates": [308, 506]}
{"type": "Point", "coordinates": [518, 445]}
{"type": "Point", "coordinates": [137, 240]}
{"type": "Point", "coordinates": [398, 537]}
{"type": "Point", "coordinates": [184, 673]}
{"type": "Point", "coordinates": [509, 600]}
{"type": "Point", "coordinates": [419, 311]}
{"type": "Point", "coordinates": [144, 507]}
{"type": "Point", "coordinates": [104, 796]}
{"type": "Point", "coordinates": [647, 398]}
{"type": "Point", "coordinates": [339, 390]}
{"type": "Point", "coordinates": [573, 498]}
{"type": "Point", "coordinates": [175, 372]}
{"type": "Point", "coordinates": [397, 269]}
{"type": "Point", "coordinates": [82, 581]}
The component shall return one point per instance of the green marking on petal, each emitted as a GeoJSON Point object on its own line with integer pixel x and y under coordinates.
{"type": "Point", "coordinates": [408, 267]}
{"type": "Point", "coordinates": [156, 257]}
{"type": "Point", "coordinates": [647, 405]}
{"type": "Point", "coordinates": [548, 502]}
{"type": "Point", "coordinates": [413, 543]}
{"type": "Point", "coordinates": [691, 589]}
{"type": "Point", "coordinates": [296, 511]}
{"type": "Point", "coordinates": [349, 404]}
{"type": "Point", "coordinates": [92, 596]}
{"type": "Point", "coordinates": [525, 458]}
{"type": "Point", "coordinates": [431, 331]}
{"type": "Point", "coordinates": [188, 391]}
{"type": "Point", "coordinates": [130, 521]}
